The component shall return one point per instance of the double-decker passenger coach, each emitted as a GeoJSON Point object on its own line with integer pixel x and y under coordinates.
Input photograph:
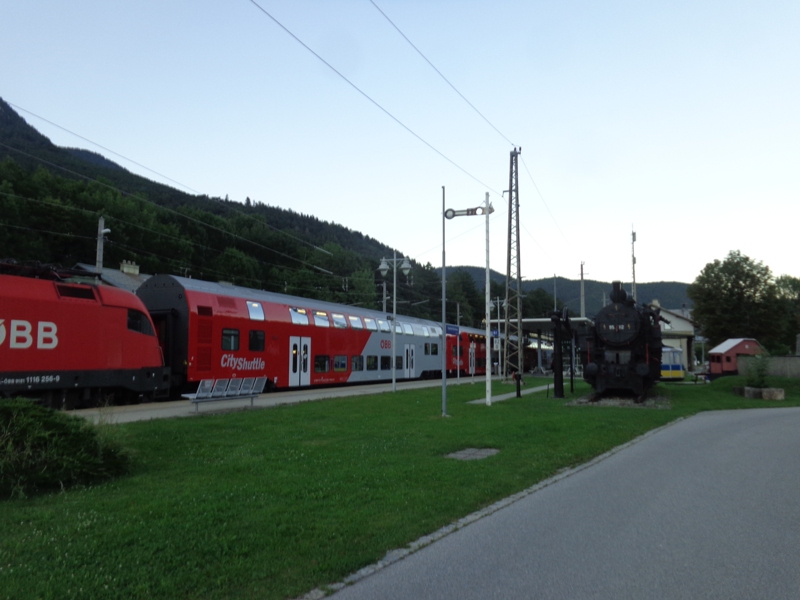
{"type": "Point", "coordinates": [219, 331]}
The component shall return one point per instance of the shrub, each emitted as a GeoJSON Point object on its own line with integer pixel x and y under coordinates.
{"type": "Point", "coordinates": [757, 373]}
{"type": "Point", "coordinates": [42, 450]}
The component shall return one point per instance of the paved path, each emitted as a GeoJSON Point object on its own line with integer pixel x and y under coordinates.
{"type": "Point", "coordinates": [708, 507]}
{"type": "Point", "coordinates": [183, 408]}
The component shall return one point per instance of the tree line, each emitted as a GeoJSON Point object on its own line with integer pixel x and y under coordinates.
{"type": "Point", "coordinates": [739, 297]}
{"type": "Point", "coordinates": [50, 218]}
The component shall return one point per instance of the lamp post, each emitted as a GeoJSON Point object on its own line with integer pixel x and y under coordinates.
{"type": "Point", "coordinates": [101, 236]}
{"type": "Point", "coordinates": [497, 304]}
{"type": "Point", "coordinates": [384, 269]}
{"type": "Point", "coordinates": [449, 213]}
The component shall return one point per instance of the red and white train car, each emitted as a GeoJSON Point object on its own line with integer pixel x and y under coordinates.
{"type": "Point", "coordinates": [216, 331]}
{"type": "Point", "coordinates": [62, 339]}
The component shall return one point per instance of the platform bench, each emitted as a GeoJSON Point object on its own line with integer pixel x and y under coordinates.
{"type": "Point", "coordinates": [211, 390]}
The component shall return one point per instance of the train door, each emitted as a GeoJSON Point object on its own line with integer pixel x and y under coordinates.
{"type": "Point", "coordinates": [409, 368]}
{"type": "Point", "coordinates": [472, 358]}
{"type": "Point", "coordinates": [299, 361]}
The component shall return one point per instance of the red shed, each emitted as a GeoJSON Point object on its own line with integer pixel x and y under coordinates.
{"type": "Point", "coordinates": [723, 358]}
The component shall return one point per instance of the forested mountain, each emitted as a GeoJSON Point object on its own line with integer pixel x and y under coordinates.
{"type": "Point", "coordinates": [52, 199]}
{"type": "Point", "coordinates": [670, 294]}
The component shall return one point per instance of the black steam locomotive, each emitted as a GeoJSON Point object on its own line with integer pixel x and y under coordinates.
{"type": "Point", "coordinates": [621, 352]}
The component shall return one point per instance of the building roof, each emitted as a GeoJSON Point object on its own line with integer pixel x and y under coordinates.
{"type": "Point", "coordinates": [116, 278]}
{"type": "Point", "coordinates": [730, 344]}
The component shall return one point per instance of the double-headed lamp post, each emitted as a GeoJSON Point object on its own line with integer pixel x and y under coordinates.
{"type": "Point", "coordinates": [384, 269]}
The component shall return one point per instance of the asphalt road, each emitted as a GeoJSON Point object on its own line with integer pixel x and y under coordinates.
{"type": "Point", "coordinates": [708, 507]}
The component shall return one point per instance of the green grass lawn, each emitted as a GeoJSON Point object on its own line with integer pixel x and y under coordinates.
{"type": "Point", "coordinates": [273, 503]}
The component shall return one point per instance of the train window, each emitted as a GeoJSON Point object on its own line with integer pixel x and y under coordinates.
{"type": "Point", "coordinates": [434, 349]}
{"type": "Point", "coordinates": [372, 363]}
{"type": "Point", "coordinates": [398, 328]}
{"type": "Point", "coordinates": [425, 331]}
{"type": "Point", "coordinates": [339, 321]}
{"type": "Point", "coordinates": [356, 363]}
{"type": "Point", "coordinates": [384, 326]}
{"type": "Point", "coordinates": [321, 319]}
{"type": "Point", "coordinates": [299, 316]}
{"type": "Point", "coordinates": [427, 349]}
{"type": "Point", "coordinates": [436, 331]}
{"type": "Point", "coordinates": [355, 322]}
{"type": "Point", "coordinates": [322, 363]}
{"type": "Point", "coordinates": [75, 291]}
{"type": "Point", "coordinates": [256, 310]}
{"type": "Point", "coordinates": [417, 329]}
{"type": "Point", "coordinates": [398, 363]}
{"type": "Point", "coordinates": [340, 362]}
{"type": "Point", "coordinates": [371, 324]}
{"type": "Point", "coordinates": [386, 363]}
{"type": "Point", "coordinates": [138, 321]}
{"type": "Point", "coordinates": [256, 341]}
{"type": "Point", "coordinates": [230, 339]}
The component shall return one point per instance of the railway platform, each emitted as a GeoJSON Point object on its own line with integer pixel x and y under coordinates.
{"type": "Point", "coordinates": [184, 408]}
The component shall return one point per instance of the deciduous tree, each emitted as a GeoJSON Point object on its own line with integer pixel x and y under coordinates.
{"type": "Point", "coordinates": [738, 298]}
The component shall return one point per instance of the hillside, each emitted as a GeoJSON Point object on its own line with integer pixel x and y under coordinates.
{"type": "Point", "coordinates": [31, 150]}
{"type": "Point", "coordinates": [670, 294]}
{"type": "Point", "coordinates": [53, 197]}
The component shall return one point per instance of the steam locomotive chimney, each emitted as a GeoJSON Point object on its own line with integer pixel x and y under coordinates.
{"type": "Point", "coordinates": [618, 294]}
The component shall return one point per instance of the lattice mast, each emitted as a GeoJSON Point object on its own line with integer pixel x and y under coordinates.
{"type": "Point", "coordinates": [513, 324]}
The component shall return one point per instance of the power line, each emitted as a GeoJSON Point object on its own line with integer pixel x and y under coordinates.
{"type": "Point", "coordinates": [405, 37]}
{"type": "Point", "coordinates": [111, 217]}
{"type": "Point", "coordinates": [265, 224]}
{"type": "Point", "coordinates": [363, 93]}
{"type": "Point", "coordinates": [170, 210]}
{"type": "Point", "coordinates": [536, 187]}
{"type": "Point", "coordinates": [103, 147]}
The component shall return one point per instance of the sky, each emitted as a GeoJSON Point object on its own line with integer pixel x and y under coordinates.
{"type": "Point", "coordinates": [676, 120]}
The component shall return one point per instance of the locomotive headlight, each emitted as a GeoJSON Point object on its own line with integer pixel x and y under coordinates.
{"type": "Point", "coordinates": [591, 369]}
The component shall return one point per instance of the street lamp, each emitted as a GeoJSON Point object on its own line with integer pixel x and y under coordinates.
{"type": "Point", "coordinates": [497, 304]}
{"type": "Point", "coordinates": [101, 236]}
{"type": "Point", "coordinates": [384, 269]}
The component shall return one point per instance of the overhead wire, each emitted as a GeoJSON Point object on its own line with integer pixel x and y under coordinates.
{"type": "Point", "coordinates": [405, 37]}
{"type": "Point", "coordinates": [536, 187]}
{"type": "Point", "coordinates": [165, 208]}
{"type": "Point", "coordinates": [183, 185]}
{"type": "Point", "coordinates": [112, 218]}
{"type": "Point", "coordinates": [368, 97]}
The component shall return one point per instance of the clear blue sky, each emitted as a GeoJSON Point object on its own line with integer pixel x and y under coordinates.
{"type": "Point", "coordinates": [679, 120]}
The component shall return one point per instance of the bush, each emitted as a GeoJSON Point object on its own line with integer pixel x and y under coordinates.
{"type": "Point", "coordinates": [758, 371]}
{"type": "Point", "coordinates": [42, 450]}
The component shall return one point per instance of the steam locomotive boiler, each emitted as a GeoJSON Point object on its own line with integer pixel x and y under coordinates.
{"type": "Point", "coordinates": [621, 352]}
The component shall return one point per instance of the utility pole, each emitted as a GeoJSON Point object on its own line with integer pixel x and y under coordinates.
{"type": "Point", "coordinates": [583, 296]}
{"type": "Point", "coordinates": [458, 342]}
{"type": "Point", "coordinates": [633, 259]}
{"type": "Point", "coordinates": [513, 325]}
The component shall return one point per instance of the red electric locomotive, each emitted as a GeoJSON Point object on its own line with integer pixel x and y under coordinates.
{"type": "Point", "coordinates": [221, 332]}
{"type": "Point", "coordinates": [66, 341]}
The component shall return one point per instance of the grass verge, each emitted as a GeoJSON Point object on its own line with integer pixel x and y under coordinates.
{"type": "Point", "coordinates": [273, 503]}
